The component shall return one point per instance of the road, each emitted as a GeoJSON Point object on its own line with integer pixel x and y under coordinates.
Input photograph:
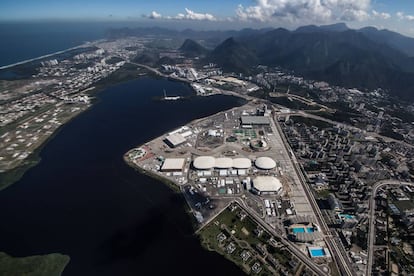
{"type": "Point", "coordinates": [339, 255]}
{"type": "Point", "coordinates": [373, 134]}
{"type": "Point", "coordinates": [371, 231]}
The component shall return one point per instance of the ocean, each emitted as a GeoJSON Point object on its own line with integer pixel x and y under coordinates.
{"type": "Point", "coordinates": [22, 41]}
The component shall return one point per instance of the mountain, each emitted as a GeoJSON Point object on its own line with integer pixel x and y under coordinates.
{"type": "Point", "coordinates": [190, 48]}
{"type": "Point", "coordinates": [339, 27]}
{"type": "Point", "coordinates": [347, 58]}
{"type": "Point", "coordinates": [395, 40]}
{"type": "Point", "coordinates": [233, 56]}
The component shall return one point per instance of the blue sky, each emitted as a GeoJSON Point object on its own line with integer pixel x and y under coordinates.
{"type": "Point", "coordinates": [396, 15]}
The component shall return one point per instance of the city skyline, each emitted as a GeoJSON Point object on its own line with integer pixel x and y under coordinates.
{"type": "Point", "coordinates": [394, 15]}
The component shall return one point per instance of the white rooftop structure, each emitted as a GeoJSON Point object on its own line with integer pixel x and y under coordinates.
{"type": "Point", "coordinates": [173, 164]}
{"type": "Point", "coordinates": [223, 163]}
{"type": "Point", "coordinates": [204, 162]}
{"type": "Point", "coordinates": [265, 163]}
{"type": "Point", "coordinates": [267, 185]}
{"type": "Point", "coordinates": [175, 139]}
{"type": "Point", "coordinates": [242, 163]}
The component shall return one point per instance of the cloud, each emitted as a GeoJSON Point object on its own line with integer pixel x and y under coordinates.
{"type": "Point", "coordinates": [155, 15]}
{"type": "Point", "coordinates": [381, 15]}
{"type": "Point", "coordinates": [305, 10]}
{"type": "Point", "coordinates": [188, 15]}
{"type": "Point", "coordinates": [403, 16]}
{"type": "Point", "coordinates": [191, 15]}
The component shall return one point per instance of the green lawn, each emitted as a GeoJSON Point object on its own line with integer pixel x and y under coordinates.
{"type": "Point", "coordinates": [41, 265]}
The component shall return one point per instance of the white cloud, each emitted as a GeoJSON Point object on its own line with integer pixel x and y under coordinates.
{"type": "Point", "coordinates": [381, 15]}
{"type": "Point", "coordinates": [188, 15]}
{"type": "Point", "coordinates": [191, 15]}
{"type": "Point", "coordinates": [154, 15]}
{"type": "Point", "coordinates": [305, 10]}
{"type": "Point", "coordinates": [403, 16]}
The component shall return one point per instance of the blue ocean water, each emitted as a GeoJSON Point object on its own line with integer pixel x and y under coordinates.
{"type": "Point", "coordinates": [22, 41]}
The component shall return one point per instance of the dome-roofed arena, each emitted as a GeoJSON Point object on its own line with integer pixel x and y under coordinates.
{"type": "Point", "coordinates": [265, 163]}
{"type": "Point", "coordinates": [204, 162]}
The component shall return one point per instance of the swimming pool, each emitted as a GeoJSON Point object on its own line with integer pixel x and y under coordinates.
{"type": "Point", "coordinates": [347, 216]}
{"type": "Point", "coordinates": [317, 252]}
{"type": "Point", "coordinates": [298, 230]}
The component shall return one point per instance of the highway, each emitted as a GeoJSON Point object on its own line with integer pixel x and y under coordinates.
{"type": "Point", "coordinates": [371, 231]}
{"type": "Point", "coordinates": [291, 246]}
{"type": "Point", "coordinates": [338, 253]}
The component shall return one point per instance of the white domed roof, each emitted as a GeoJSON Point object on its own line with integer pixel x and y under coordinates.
{"type": "Point", "coordinates": [267, 184]}
{"type": "Point", "coordinates": [265, 163]}
{"type": "Point", "coordinates": [242, 163]}
{"type": "Point", "coordinates": [224, 163]}
{"type": "Point", "coordinates": [204, 162]}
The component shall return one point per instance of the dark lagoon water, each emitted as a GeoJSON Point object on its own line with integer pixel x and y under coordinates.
{"type": "Point", "coordinates": [84, 201]}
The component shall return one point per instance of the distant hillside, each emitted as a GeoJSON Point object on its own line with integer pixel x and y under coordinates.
{"type": "Point", "coordinates": [365, 58]}
{"type": "Point", "coordinates": [190, 48]}
{"type": "Point", "coordinates": [347, 58]}
{"type": "Point", "coordinates": [395, 40]}
{"type": "Point", "coordinates": [233, 56]}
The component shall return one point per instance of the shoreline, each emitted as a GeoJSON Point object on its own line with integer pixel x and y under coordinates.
{"type": "Point", "coordinates": [8, 66]}
{"type": "Point", "coordinates": [10, 177]}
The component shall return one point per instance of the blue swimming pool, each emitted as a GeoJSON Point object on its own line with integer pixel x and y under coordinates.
{"type": "Point", "coordinates": [347, 216]}
{"type": "Point", "coordinates": [310, 229]}
{"type": "Point", "coordinates": [317, 252]}
{"type": "Point", "coordinates": [298, 230]}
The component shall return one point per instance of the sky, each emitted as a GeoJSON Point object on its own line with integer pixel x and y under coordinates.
{"type": "Point", "coordinates": [396, 15]}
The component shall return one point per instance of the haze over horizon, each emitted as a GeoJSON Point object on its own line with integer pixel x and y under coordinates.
{"type": "Point", "coordinates": [393, 15]}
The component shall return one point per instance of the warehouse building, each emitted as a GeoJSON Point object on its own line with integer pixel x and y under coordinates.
{"type": "Point", "coordinates": [174, 140]}
{"type": "Point", "coordinates": [173, 165]}
{"type": "Point", "coordinates": [255, 121]}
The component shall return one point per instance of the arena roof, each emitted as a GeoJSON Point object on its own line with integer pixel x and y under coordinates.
{"type": "Point", "coordinates": [255, 120]}
{"type": "Point", "coordinates": [265, 163]}
{"type": "Point", "coordinates": [175, 139]}
{"type": "Point", "coordinates": [173, 164]}
{"type": "Point", "coordinates": [242, 163]}
{"type": "Point", "coordinates": [267, 184]}
{"type": "Point", "coordinates": [224, 163]}
{"type": "Point", "coordinates": [204, 162]}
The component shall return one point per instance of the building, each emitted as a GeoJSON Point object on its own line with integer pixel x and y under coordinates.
{"type": "Point", "coordinates": [221, 163]}
{"type": "Point", "coordinates": [255, 120]}
{"type": "Point", "coordinates": [334, 203]}
{"type": "Point", "coordinates": [265, 163]}
{"type": "Point", "coordinates": [174, 140]}
{"type": "Point", "coordinates": [173, 165]}
{"type": "Point", "coordinates": [204, 163]}
{"type": "Point", "coordinates": [267, 185]}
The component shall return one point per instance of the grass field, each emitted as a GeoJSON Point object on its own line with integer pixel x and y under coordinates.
{"type": "Point", "coordinates": [41, 265]}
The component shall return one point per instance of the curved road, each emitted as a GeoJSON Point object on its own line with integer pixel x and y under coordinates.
{"type": "Point", "coordinates": [371, 231]}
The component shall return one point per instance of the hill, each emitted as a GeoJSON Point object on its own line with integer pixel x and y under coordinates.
{"type": "Point", "coordinates": [190, 48]}
{"type": "Point", "coordinates": [233, 56]}
{"type": "Point", "coordinates": [347, 58]}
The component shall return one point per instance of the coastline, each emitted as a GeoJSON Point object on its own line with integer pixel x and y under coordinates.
{"type": "Point", "coordinates": [87, 44]}
{"type": "Point", "coordinates": [10, 177]}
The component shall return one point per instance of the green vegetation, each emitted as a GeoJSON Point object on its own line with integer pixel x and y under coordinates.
{"type": "Point", "coordinates": [234, 227]}
{"type": "Point", "coordinates": [41, 265]}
